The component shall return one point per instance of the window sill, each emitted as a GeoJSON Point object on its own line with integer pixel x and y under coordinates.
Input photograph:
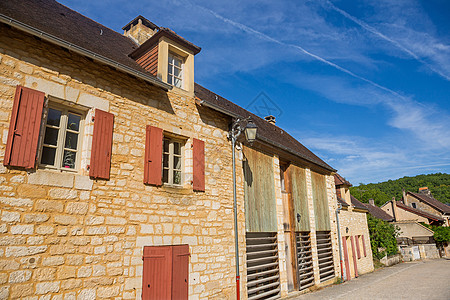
{"type": "Point", "coordinates": [178, 189]}
{"type": "Point", "coordinates": [60, 179]}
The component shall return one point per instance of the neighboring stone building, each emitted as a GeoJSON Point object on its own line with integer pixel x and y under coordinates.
{"type": "Point", "coordinates": [415, 241]}
{"type": "Point", "coordinates": [425, 201]}
{"type": "Point", "coordinates": [377, 212]}
{"type": "Point", "coordinates": [117, 177]}
{"type": "Point", "coordinates": [356, 249]}
{"type": "Point", "coordinates": [399, 211]}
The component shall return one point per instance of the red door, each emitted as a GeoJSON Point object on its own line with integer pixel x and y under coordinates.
{"type": "Point", "coordinates": [157, 273]}
{"type": "Point", "coordinates": [346, 260]}
{"type": "Point", "coordinates": [180, 284]}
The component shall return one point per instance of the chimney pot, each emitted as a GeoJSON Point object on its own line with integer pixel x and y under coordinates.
{"type": "Point", "coordinates": [270, 119]}
{"type": "Point", "coordinates": [424, 190]}
{"type": "Point", "coordinates": [372, 202]}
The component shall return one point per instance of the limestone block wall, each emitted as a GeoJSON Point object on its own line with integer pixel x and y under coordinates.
{"type": "Point", "coordinates": [280, 219]}
{"type": "Point", "coordinates": [332, 205]}
{"type": "Point", "coordinates": [65, 236]}
{"type": "Point", "coordinates": [356, 222]}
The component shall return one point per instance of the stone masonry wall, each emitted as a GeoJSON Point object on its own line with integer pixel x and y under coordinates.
{"type": "Point", "coordinates": [65, 236]}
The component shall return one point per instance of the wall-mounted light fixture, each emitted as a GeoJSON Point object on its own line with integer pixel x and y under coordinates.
{"type": "Point", "coordinates": [249, 129]}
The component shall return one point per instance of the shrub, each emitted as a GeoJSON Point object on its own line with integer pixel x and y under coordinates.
{"type": "Point", "coordinates": [382, 237]}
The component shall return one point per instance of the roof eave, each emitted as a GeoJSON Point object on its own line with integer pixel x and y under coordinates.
{"type": "Point", "coordinates": [82, 51]}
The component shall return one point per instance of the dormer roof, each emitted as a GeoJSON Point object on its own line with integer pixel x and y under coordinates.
{"type": "Point", "coordinates": [163, 31]}
{"type": "Point", "coordinates": [339, 180]}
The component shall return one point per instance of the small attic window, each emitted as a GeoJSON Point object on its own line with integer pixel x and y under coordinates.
{"type": "Point", "coordinates": [414, 205]}
{"type": "Point", "coordinates": [175, 70]}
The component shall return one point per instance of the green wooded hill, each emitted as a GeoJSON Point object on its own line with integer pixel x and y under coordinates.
{"type": "Point", "coordinates": [439, 185]}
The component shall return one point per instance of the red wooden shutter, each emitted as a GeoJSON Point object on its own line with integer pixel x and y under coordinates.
{"type": "Point", "coordinates": [199, 165]}
{"type": "Point", "coordinates": [364, 245]}
{"type": "Point", "coordinates": [347, 262]}
{"type": "Point", "coordinates": [157, 273]}
{"type": "Point", "coordinates": [23, 135]}
{"type": "Point", "coordinates": [354, 257]}
{"type": "Point", "coordinates": [180, 284]}
{"type": "Point", "coordinates": [100, 164]}
{"type": "Point", "coordinates": [153, 155]}
{"type": "Point", "coordinates": [357, 246]}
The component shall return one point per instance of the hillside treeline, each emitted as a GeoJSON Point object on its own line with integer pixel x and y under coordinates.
{"type": "Point", "coordinates": [438, 183]}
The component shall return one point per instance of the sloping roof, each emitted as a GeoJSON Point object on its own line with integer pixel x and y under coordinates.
{"type": "Point", "coordinates": [418, 212]}
{"type": "Point", "coordinates": [70, 26]}
{"type": "Point", "coordinates": [357, 204]}
{"type": "Point", "coordinates": [267, 132]}
{"type": "Point", "coordinates": [339, 180]}
{"type": "Point", "coordinates": [341, 201]}
{"type": "Point", "coordinates": [377, 212]}
{"type": "Point", "coordinates": [62, 22]}
{"type": "Point", "coordinates": [432, 202]}
{"type": "Point", "coordinates": [163, 31]}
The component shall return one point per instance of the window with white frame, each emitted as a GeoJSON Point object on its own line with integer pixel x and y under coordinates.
{"type": "Point", "coordinates": [172, 161]}
{"type": "Point", "coordinates": [61, 145]}
{"type": "Point", "coordinates": [175, 70]}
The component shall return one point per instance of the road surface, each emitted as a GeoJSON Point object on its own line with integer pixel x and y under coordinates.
{"type": "Point", "coordinates": [428, 280]}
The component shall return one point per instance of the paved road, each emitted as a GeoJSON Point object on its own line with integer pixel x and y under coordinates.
{"type": "Point", "coordinates": [413, 280]}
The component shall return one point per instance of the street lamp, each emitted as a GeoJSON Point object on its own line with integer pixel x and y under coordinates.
{"type": "Point", "coordinates": [250, 135]}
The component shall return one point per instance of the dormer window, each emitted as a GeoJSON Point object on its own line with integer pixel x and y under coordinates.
{"type": "Point", "coordinates": [175, 70]}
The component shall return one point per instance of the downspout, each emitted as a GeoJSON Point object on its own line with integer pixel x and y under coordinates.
{"type": "Point", "coordinates": [339, 239]}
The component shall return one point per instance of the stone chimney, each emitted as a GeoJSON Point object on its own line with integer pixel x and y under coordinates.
{"type": "Point", "coordinates": [404, 198]}
{"type": "Point", "coordinates": [270, 119]}
{"type": "Point", "coordinates": [140, 30]}
{"type": "Point", "coordinates": [424, 190]}
{"type": "Point", "coordinates": [394, 208]}
{"type": "Point", "coordinates": [372, 202]}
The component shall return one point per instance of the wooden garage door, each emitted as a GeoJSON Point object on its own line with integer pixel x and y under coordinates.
{"type": "Point", "coordinates": [260, 205]}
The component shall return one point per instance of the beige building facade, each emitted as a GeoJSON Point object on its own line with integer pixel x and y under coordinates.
{"type": "Point", "coordinates": [83, 220]}
{"type": "Point", "coordinates": [355, 238]}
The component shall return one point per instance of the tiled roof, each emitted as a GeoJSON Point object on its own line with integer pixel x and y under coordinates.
{"type": "Point", "coordinates": [148, 44]}
{"type": "Point", "coordinates": [71, 27]}
{"type": "Point", "coordinates": [432, 202]}
{"type": "Point", "coordinates": [357, 204]}
{"type": "Point", "coordinates": [341, 201]}
{"type": "Point", "coordinates": [267, 132]}
{"type": "Point", "coordinates": [68, 25]}
{"type": "Point", "coordinates": [377, 212]}
{"type": "Point", "coordinates": [339, 180]}
{"type": "Point", "coordinates": [418, 212]}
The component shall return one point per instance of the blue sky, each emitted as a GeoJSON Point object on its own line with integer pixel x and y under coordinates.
{"type": "Point", "coordinates": [364, 84]}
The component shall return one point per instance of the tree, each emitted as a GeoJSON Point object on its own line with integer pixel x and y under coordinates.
{"type": "Point", "coordinates": [439, 185]}
{"type": "Point", "coordinates": [382, 237]}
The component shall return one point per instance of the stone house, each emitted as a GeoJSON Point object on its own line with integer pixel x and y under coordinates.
{"type": "Point", "coordinates": [424, 201]}
{"type": "Point", "coordinates": [116, 177]}
{"type": "Point", "coordinates": [415, 241]}
{"type": "Point", "coordinates": [356, 248]}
